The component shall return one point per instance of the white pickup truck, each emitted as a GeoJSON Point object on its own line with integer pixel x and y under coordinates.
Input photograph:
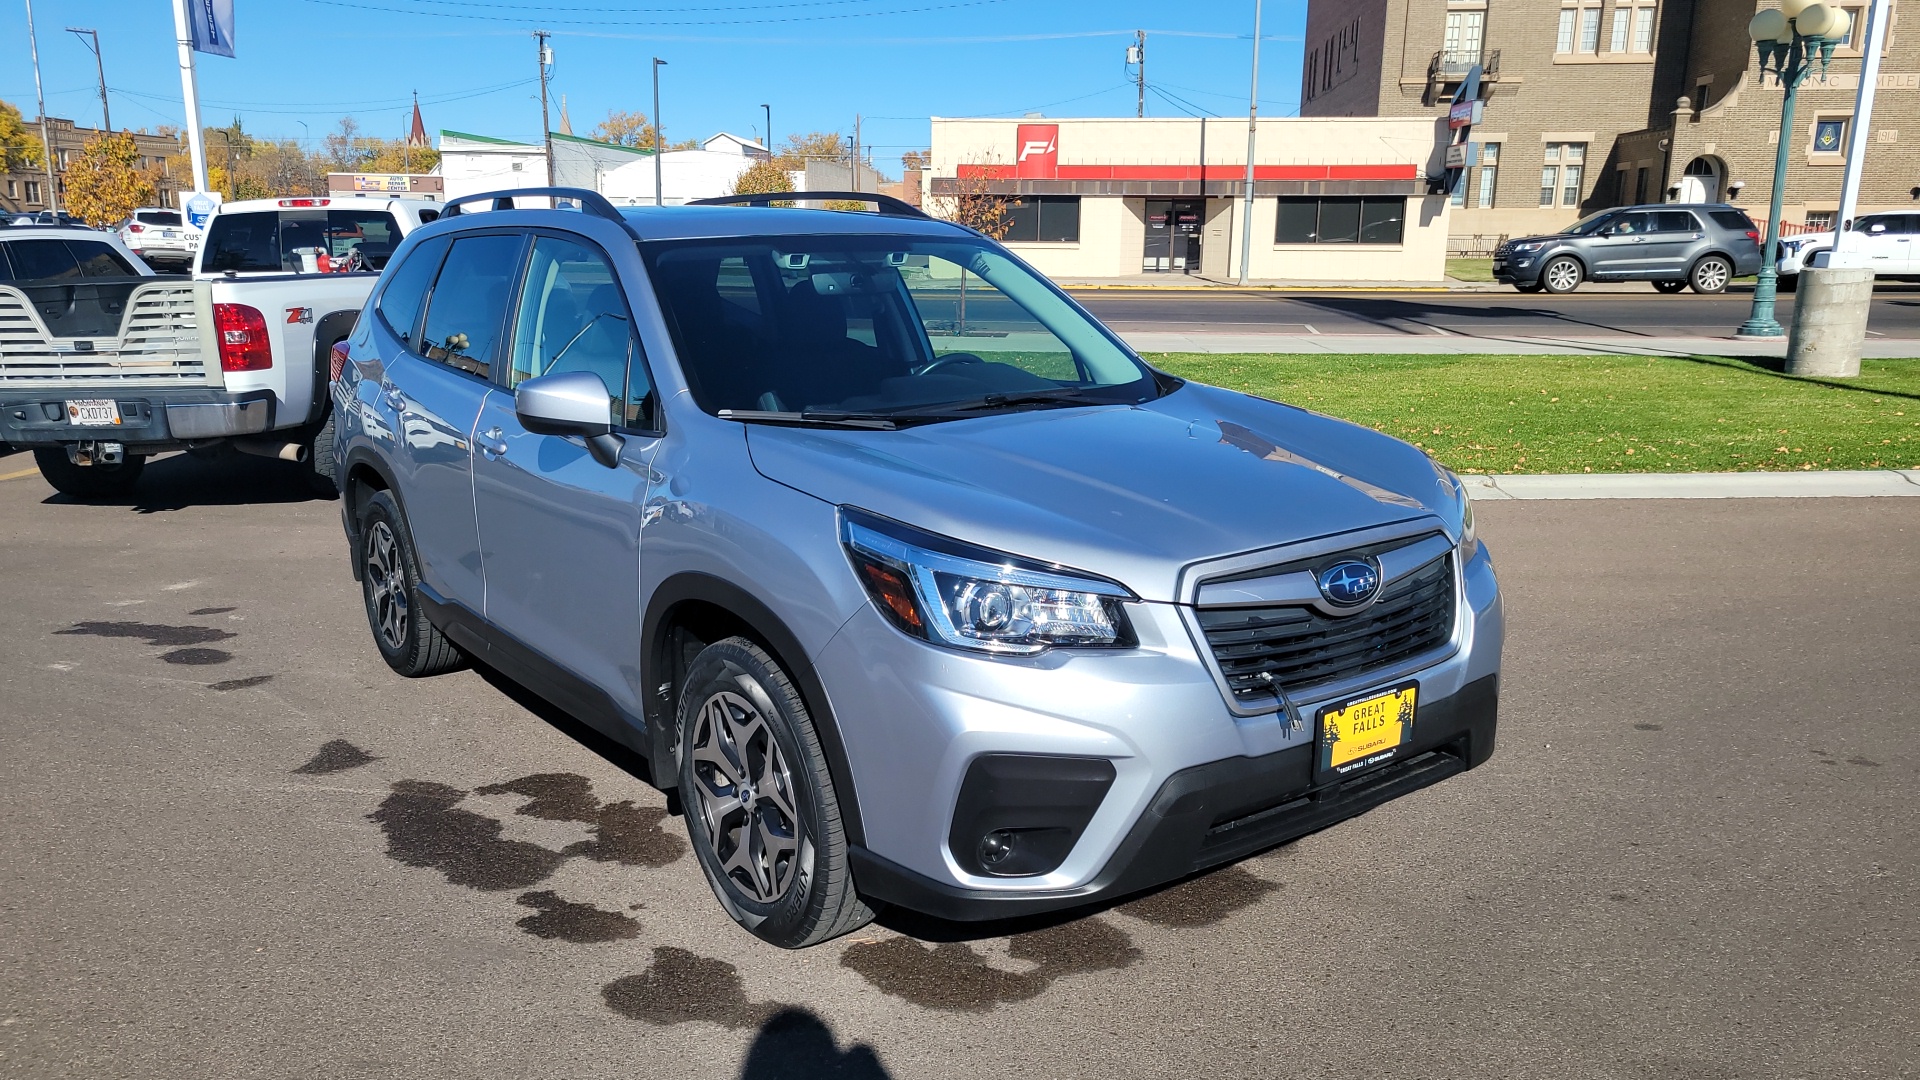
{"type": "Point", "coordinates": [99, 373]}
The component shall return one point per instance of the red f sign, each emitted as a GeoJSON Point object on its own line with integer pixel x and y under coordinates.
{"type": "Point", "coordinates": [1037, 154]}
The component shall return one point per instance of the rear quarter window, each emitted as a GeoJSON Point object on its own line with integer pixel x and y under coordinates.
{"type": "Point", "coordinates": [1731, 219]}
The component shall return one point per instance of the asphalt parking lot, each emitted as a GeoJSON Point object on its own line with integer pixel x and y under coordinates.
{"type": "Point", "coordinates": [233, 844]}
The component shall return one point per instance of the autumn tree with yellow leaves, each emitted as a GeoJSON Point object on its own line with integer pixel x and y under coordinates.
{"type": "Point", "coordinates": [105, 182]}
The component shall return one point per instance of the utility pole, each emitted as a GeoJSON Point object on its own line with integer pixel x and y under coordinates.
{"type": "Point", "coordinates": [769, 112]}
{"type": "Point", "coordinates": [1138, 57]}
{"type": "Point", "coordinates": [46, 141]}
{"type": "Point", "coordinates": [1253, 117]}
{"type": "Point", "coordinates": [544, 56]}
{"type": "Point", "coordinates": [856, 151]}
{"type": "Point", "coordinates": [84, 34]}
{"type": "Point", "coordinates": [659, 134]}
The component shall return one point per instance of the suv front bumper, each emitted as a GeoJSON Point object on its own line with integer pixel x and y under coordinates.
{"type": "Point", "coordinates": [149, 419]}
{"type": "Point", "coordinates": [1517, 269]}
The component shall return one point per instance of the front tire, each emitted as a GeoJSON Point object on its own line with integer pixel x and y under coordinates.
{"type": "Point", "coordinates": [390, 585]}
{"type": "Point", "coordinates": [88, 482]}
{"type": "Point", "coordinates": [761, 810]}
{"type": "Point", "coordinates": [1533, 288]}
{"type": "Point", "coordinates": [1710, 275]}
{"type": "Point", "coordinates": [1562, 274]}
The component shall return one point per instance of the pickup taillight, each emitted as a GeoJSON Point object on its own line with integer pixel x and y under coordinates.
{"type": "Point", "coordinates": [339, 361]}
{"type": "Point", "coordinates": [242, 332]}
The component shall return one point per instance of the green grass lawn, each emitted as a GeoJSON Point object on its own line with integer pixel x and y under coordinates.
{"type": "Point", "coordinates": [1470, 269]}
{"type": "Point", "coordinates": [1560, 414]}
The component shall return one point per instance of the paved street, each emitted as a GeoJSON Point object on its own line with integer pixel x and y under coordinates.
{"type": "Point", "coordinates": [1896, 312]}
{"type": "Point", "coordinates": [233, 844]}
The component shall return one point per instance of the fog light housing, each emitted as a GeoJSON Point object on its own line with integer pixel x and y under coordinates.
{"type": "Point", "coordinates": [996, 847]}
{"type": "Point", "coordinates": [1019, 815]}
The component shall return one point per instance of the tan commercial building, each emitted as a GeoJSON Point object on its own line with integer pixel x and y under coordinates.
{"type": "Point", "coordinates": [1598, 103]}
{"type": "Point", "coordinates": [24, 190]}
{"type": "Point", "coordinates": [1334, 200]}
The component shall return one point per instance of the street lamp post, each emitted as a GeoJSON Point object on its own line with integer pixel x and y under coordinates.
{"type": "Point", "coordinates": [1791, 39]}
{"type": "Point", "coordinates": [659, 132]}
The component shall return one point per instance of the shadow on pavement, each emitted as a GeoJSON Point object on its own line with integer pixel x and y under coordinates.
{"type": "Point", "coordinates": [795, 1044]}
{"type": "Point", "coordinates": [179, 481]}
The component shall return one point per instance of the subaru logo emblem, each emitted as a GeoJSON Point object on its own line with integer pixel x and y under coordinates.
{"type": "Point", "coordinates": [1350, 583]}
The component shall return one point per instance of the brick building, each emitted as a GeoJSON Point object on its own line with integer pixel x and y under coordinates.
{"type": "Point", "coordinates": [1597, 103]}
{"type": "Point", "coordinates": [24, 190]}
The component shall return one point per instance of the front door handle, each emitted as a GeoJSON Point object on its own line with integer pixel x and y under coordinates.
{"type": "Point", "coordinates": [490, 442]}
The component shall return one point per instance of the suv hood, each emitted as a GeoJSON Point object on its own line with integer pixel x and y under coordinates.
{"type": "Point", "coordinates": [1134, 493]}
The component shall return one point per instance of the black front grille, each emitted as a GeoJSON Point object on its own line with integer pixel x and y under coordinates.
{"type": "Point", "coordinates": [1298, 647]}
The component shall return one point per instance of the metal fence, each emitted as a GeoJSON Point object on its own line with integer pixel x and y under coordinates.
{"type": "Point", "coordinates": [1476, 246]}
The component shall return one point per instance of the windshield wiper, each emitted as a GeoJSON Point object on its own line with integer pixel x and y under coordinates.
{"type": "Point", "coordinates": [1066, 395]}
{"type": "Point", "coordinates": [824, 418]}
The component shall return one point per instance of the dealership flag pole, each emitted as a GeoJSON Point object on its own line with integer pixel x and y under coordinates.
{"type": "Point", "coordinates": [190, 90]}
{"type": "Point", "coordinates": [1253, 116]}
{"type": "Point", "coordinates": [1846, 248]}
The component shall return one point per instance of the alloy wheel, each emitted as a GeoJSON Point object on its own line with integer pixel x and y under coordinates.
{"type": "Point", "coordinates": [1563, 275]}
{"type": "Point", "coordinates": [387, 585]}
{"type": "Point", "coordinates": [1710, 276]}
{"type": "Point", "coordinates": [743, 790]}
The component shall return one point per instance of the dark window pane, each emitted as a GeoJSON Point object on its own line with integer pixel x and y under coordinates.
{"type": "Point", "coordinates": [399, 302]}
{"type": "Point", "coordinates": [158, 217]}
{"type": "Point", "coordinates": [372, 231]}
{"type": "Point", "coordinates": [1299, 221]}
{"type": "Point", "coordinates": [469, 302]}
{"type": "Point", "coordinates": [1382, 220]}
{"type": "Point", "coordinates": [572, 319]}
{"type": "Point", "coordinates": [99, 260]}
{"type": "Point", "coordinates": [1339, 221]}
{"type": "Point", "coordinates": [41, 260]}
{"type": "Point", "coordinates": [1632, 224]}
{"type": "Point", "coordinates": [1060, 219]}
{"type": "Point", "coordinates": [1023, 219]}
{"type": "Point", "coordinates": [244, 243]}
{"type": "Point", "coordinates": [1675, 221]}
{"type": "Point", "coordinates": [1730, 219]}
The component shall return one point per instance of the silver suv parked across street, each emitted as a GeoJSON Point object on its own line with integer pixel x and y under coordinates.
{"type": "Point", "coordinates": [1672, 245]}
{"type": "Point", "coordinates": [911, 580]}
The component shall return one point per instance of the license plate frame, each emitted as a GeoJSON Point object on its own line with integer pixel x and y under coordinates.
{"type": "Point", "coordinates": [93, 412]}
{"type": "Point", "coordinates": [1395, 708]}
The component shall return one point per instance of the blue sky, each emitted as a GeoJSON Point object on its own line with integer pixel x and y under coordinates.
{"type": "Point", "coordinates": [817, 62]}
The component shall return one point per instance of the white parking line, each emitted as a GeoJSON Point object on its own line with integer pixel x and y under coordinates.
{"type": "Point", "coordinates": [1310, 329]}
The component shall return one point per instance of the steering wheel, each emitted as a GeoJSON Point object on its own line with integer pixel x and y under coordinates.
{"type": "Point", "coordinates": [950, 358]}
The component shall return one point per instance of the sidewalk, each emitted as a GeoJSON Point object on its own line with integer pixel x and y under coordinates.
{"type": "Point", "coordinates": [1442, 342]}
{"type": "Point", "coordinates": [1745, 485]}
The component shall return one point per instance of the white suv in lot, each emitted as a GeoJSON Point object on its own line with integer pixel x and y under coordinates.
{"type": "Point", "coordinates": [159, 236]}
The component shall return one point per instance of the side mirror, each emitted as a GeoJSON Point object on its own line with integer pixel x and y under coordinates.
{"type": "Point", "coordinates": [1876, 227]}
{"type": "Point", "coordinates": [570, 403]}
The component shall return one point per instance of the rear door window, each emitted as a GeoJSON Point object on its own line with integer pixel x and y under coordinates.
{"type": "Point", "coordinates": [1675, 221]}
{"type": "Point", "coordinates": [468, 306]}
{"type": "Point", "coordinates": [406, 287]}
{"type": "Point", "coordinates": [65, 260]}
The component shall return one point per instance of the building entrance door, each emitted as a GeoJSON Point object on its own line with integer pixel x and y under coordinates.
{"type": "Point", "coordinates": [1174, 228]}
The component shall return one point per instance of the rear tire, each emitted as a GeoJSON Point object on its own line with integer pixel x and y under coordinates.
{"type": "Point", "coordinates": [1668, 287]}
{"type": "Point", "coordinates": [318, 471]}
{"type": "Point", "coordinates": [1562, 274]}
{"type": "Point", "coordinates": [390, 585]}
{"type": "Point", "coordinates": [760, 806]}
{"type": "Point", "coordinates": [88, 482]}
{"type": "Point", "coordinates": [1710, 275]}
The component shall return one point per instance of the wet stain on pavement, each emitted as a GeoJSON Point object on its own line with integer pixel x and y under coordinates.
{"type": "Point", "coordinates": [622, 832]}
{"type": "Point", "coordinates": [335, 755]}
{"type": "Point", "coordinates": [152, 633]}
{"type": "Point", "coordinates": [1202, 901]}
{"type": "Point", "coordinates": [1864, 762]}
{"type": "Point", "coordinates": [564, 920]}
{"type": "Point", "coordinates": [954, 977]}
{"type": "Point", "coordinates": [197, 657]}
{"type": "Point", "coordinates": [1648, 727]}
{"type": "Point", "coordinates": [211, 611]}
{"type": "Point", "coordinates": [247, 683]}
{"type": "Point", "coordinates": [680, 987]}
{"type": "Point", "coordinates": [426, 828]}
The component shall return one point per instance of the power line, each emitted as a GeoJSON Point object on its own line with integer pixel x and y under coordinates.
{"type": "Point", "coordinates": [369, 105]}
{"type": "Point", "coordinates": [522, 20]}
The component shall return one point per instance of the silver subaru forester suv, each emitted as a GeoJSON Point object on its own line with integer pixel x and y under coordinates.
{"type": "Point", "coordinates": [910, 579]}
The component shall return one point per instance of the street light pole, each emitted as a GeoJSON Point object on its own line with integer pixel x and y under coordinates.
{"type": "Point", "coordinates": [1791, 39]}
{"type": "Point", "coordinates": [1253, 116]}
{"type": "Point", "coordinates": [659, 133]}
{"type": "Point", "coordinates": [769, 111]}
{"type": "Point", "coordinates": [91, 39]}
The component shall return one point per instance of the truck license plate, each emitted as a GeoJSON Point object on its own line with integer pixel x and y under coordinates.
{"type": "Point", "coordinates": [93, 412]}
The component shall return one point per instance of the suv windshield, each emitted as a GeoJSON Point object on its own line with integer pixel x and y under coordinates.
{"type": "Point", "coordinates": [879, 325]}
{"type": "Point", "coordinates": [1588, 224]}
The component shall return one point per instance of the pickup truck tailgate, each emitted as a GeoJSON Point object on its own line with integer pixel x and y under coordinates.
{"type": "Point", "coordinates": [156, 345]}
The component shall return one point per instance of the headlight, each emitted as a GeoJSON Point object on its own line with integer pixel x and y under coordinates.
{"type": "Point", "coordinates": [1469, 541]}
{"type": "Point", "coordinates": [1535, 246]}
{"type": "Point", "coordinates": [952, 593]}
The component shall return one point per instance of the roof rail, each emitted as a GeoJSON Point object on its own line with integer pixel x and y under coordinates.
{"type": "Point", "coordinates": [887, 205]}
{"type": "Point", "coordinates": [590, 201]}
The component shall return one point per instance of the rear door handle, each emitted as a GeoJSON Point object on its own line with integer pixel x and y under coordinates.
{"type": "Point", "coordinates": [489, 442]}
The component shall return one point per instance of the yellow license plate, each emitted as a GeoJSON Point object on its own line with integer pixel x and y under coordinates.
{"type": "Point", "coordinates": [1368, 731]}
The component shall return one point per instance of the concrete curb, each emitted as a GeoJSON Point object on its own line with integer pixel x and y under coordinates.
{"type": "Point", "coordinates": [1745, 485]}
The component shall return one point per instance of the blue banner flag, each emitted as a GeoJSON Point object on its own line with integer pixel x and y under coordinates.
{"type": "Point", "coordinates": [211, 23]}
